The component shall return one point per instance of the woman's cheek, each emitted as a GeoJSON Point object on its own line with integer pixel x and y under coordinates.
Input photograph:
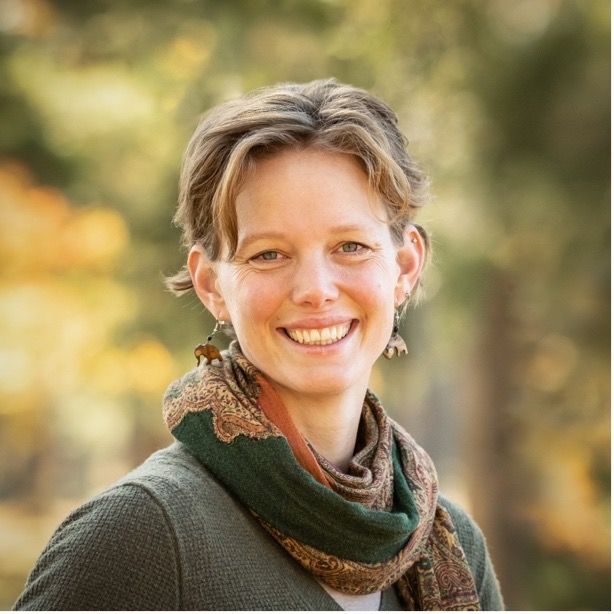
{"type": "Point", "coordinates": [258, 300]}
{"type": "Point", "coordinates": [370, 285]}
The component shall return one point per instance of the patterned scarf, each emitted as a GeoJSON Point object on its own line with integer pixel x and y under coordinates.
{"type": "Point", "coordinates": [359, 532]}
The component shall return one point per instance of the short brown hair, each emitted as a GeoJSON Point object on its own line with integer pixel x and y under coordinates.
{"type": "Point", "coordinates": [322, 113]}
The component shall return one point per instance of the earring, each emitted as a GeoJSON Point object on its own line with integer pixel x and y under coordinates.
{"type": "Point", "coordinates": [396, 345]}
{"type": "Point", "coordinates": [207, 350]}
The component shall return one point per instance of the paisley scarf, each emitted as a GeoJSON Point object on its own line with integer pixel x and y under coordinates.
{"type": "Point", "coordinates": [359, 532]}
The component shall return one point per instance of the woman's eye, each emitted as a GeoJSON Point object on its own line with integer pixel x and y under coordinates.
{"type": "Point", "coordinates": [269, 256]}
{"type": "Point", "coordinates": [351, 247]}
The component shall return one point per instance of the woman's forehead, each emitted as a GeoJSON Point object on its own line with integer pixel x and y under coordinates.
{"type": "Point", "coordinates": [303, 185]}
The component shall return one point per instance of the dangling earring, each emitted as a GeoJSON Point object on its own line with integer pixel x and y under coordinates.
{"type": "Point", "coordinates": [207, 350]}
{"type": "Point", "coordinates": [396, 345]}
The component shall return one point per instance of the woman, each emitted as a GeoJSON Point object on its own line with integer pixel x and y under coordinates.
{"type": "Point", "coordinates": [288, 487]}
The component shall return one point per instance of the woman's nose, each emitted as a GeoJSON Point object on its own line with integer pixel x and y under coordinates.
{"type": "Point", "coordinates": [315, 283]}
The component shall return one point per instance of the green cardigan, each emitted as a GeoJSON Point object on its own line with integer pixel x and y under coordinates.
{"type": "Point", "coordinates": [169, 537]}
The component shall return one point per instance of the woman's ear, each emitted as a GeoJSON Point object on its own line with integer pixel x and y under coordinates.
{"type": "Point", "coordinates": [411, 257]}
{"type": "Point", "coordinates": [205, 281]}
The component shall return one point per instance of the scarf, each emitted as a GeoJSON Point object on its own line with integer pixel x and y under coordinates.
{"type": "Point", "coordinates": [359, 532]}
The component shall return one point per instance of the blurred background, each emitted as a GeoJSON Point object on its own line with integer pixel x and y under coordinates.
{"type": "Point", "coordinates": [507, 384]}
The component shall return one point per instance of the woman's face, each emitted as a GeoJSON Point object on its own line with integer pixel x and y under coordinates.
{"type": "Point", "coordinates": [312, 288]}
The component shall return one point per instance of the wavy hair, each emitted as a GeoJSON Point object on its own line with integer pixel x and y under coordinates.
{"type": "Point", "coordinates": [323, 114]}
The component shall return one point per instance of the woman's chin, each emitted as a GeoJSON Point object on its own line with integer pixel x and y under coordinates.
{"type": "Point", "coordinates": [321, 381]}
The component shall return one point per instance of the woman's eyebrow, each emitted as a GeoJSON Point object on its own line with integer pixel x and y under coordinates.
{"type": "Point", "coordinates": [258, 236]}
{"type": "Point", "coordinates": [347, 228]}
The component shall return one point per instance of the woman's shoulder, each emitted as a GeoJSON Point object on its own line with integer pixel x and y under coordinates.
{"type": "Point", "coordinates": [184, 490]}
{"type": "Point", "coordinates": [171, 476]}
{"type": "Point", "coordinates": [101, 555]}
{"type": "Point", "coordinates": [475, 548]}
{"type": "Point", "coordinates": [126, 544]}
{"type": "Point", "coordinates": [164, 489]}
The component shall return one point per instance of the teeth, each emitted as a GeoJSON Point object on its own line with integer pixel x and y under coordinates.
{"type": "Point", "coordinates": [319, 336]}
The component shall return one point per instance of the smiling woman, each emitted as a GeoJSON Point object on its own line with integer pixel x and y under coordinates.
{"type": "Point", "coordinates": [288, 487]}
{"type": "Point", "coordinates": [296, 283]}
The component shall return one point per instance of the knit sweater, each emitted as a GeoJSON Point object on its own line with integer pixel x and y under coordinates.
{"type": "Point", "coordinates": [168, 536]}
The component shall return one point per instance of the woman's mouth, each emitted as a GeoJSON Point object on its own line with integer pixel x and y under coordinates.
{"type": "Point", "coordinates": [319, 336]}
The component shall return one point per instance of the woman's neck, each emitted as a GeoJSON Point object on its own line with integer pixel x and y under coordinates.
{"type": "Point", "coordinates": [329, 424]}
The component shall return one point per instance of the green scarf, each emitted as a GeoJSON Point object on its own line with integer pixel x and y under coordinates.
{"type": "Point", "coordinates": [359, 532]}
